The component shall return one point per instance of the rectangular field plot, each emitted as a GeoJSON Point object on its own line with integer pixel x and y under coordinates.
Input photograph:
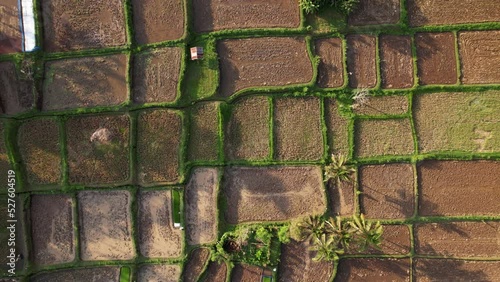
{"type": "Point", "coordinates": [396, 61]}
{"type": "Point", "coordinates": [396, 241]}
{"type": "Point", "coordinates": [210, 15]}
{"type": "Point", "coordinates": [374, 12]}
{"type": "Point", "coordinates": [272, 193]}
{"type": "Point", "coordinates": [383, 105]}
{"type": "Point", "coordinates": [98, 149]}
{"type": "Point", "coordinates": [204, 132]}
{"type": "Point", "coordinates": [374, 270]}
{"type": "Point", "coordinates": [195, 263]}
{"type": "Point", "coordinates": [16, 95]}
{"type": "Point", "coordinates": [436, 61]}
{"type": "Point", "coordinates": [52, 229]}
{"type": "Point", "coordinates": [201, 206]}
{"type": "Point", "coordinates": [424, 12]}
{"type": "Point", "coordinates": [215, 272]}
{"type": "Point", "coordinates": [85, 82]}
{"type": "Point", "coordinates": [458, 239]}
{"type": "Point", "coordinates": [480, 56]}
{"type": "Point", "coordinates": [105, 273]}
{"type": "Point", "coordinates": [331, 66]}
{"type": "Point", "coordinates": [38, 141]}
{"type": "Point", "coordinates": [455, 270]}
{"type": "Point", "coordinates": [361, 60]}
{"type": "Point", "coordinates": [296, 264]}
{"type": "Point", "coordinates": [462, 121]}
{"type": "Point", "coordinates": [157, 20]}
{"type": "Point", "coordinates": [4, 157]}
{"type": "Point", "coordinates": [156, 75]}
{"type": "Point", "coordinates": [157, 236]}
{"type": "Point", "coordinates": [83, 24]}
{"type": "Point", "coordinates": [159, 272]}
{"type": "Point", "coordinates": [267, 61]}
{"type": "Point", "coordinates": [247, 131]}
{"type": "Point", "coordinates": [337, 128]}
{"type": "Point", "coordinates": [10, 33]}
{"type": "Point", "coordinates": [457, 188]}
{"type": "Point", "coordinates": [383, 137]}
{"type": "Point", "coordinates": [105, 225]}
{"type": "Point", "coordinates": [297, 128]}
{"type": "Point", "coordinates": [158, 146]}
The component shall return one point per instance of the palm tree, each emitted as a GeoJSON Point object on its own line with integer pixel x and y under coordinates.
{"type": "Point", "coordinates": [326, 248]}
{"type": "Point", "coordinates": [369, 234]}
{"type": "Point", "coordinates": [338, 169]}
{"type": "Point", "coordinates": [311, 228]}
{"type": "Point", "coordinates": [341, 231]}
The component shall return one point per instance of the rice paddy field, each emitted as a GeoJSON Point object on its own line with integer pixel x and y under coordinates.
{"type": "Point", "coordinates": [132, 162]}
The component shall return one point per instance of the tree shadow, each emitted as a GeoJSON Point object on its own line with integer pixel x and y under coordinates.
{"type": "Point", "coordinates": [10, 34]}
{"type": "Point", "coordinates": [229, 72]}
{"type": "Point", "coordinates": [17, 87]}
{"type": "Point", "coordinates": [398, 269]}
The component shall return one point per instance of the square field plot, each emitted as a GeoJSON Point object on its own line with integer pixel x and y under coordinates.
{"type": "Point", "coordinates": [247, 131]}
{"type": "Point", "coordinates": [425, 12]}
{"type": "Point", "coordinates": [105, 225]}
{"type": "Point", "coordinates": [16, 95]}
{"type": "Point", "coordinates": [75, 25]}
{"type": "Point", "coordinates": [458, 239]}
{"type": "Point", "coordinates": [436, 60]}
{"type": "Point", "coordinates": [459, 188]}
{"type": "Point", "coordinates": [480, 55]}
{"type": "Point", "coordinates": [10, 33]}
{"type": "Point", "coordinates": [331, 66]}
{"type": "Point", "coordinates": [158, 20]}
{"type": "Point", "coordinates": [38, 141]}
{"type": "Point", "coordinates": [384, 137]}
{"type": "Point", "coordinates": [361, 60]}
{"type": "Point", "coordinates": [396, 61]}
{"type": "Point", "coordinates": [267, 61]}
{"type": "Point", "coordinates": [158, 146]}
{"type": "Point", "coordinates": [204, 132]}
{"type": "Point", "coordinates": [296, 264]}
{"type": "Point", "coordinates": [210, 15]}
{"type": "Point", "coordinates": [106, 273]}
{"type": "Point", "coordinates": [455, 270]}
{"type": "Point", "coordinates": [272, 193]}
{"type": "Point", "coordinates": [98, 149]}
{"type": "Point", "coordinates": [396, 241]}
{"type": "Point", "coordinates": [52, 229]}
{"type": "Point", "coordinates": [156, 75]}
{"type": "Point", "coordinates": [297, 128]}
{"type": "Point", "coordinates": [374, 270]}
{"type": "Point", "coordinates": [387, 191]}
{"type": "Point", "coordinates": [461, 121]}
{"type": "Point", "coordinates": [85, 82]}
{"type": "Point", "coordinates": [159, 272]}
{"type": "Point", "coordinates": [157, 236]}
{"type": "Point", "coordinates": [370, 12]}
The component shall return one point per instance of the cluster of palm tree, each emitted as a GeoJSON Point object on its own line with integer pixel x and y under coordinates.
{"type": "Point", "coordinates": [338, 169]}
{"type": "Point", "coordinates": [332, 237]}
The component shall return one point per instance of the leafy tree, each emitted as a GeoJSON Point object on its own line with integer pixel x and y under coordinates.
{"type": "Point", "coordinates": [344, 6]}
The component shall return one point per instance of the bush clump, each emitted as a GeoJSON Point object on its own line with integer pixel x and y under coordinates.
{"type": "Point", "coordinates": [344, 6]}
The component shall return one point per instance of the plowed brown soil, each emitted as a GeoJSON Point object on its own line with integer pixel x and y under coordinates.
{"type": "Point", "coordinates": [373, 270]}
{"type": "Point", "coordinates": [331, 66]}
{"type": "Point", "coordinates": [427, 270]}
{"type": "Point", "coordinates": [396, 61]}
{"type": "Point", "coordinates": [337, 128]}
{"type": "Point", "coordinates": [480, 56]}
{"type": "Point", "coordinates": [267, 61]}
{"type": "Point", "coordinates": [436, 60]}
{"type": "Point", "coordinates": [246, 273]}
{"type": "Point", "coordinates": [10, 34]}
{"type": "Point", "coordinates": [361, 64]}
{"type": "Point", "coordinates": [204, 132]}
{"type": "Point", "coordinates": [371, 12]}
{"type": "Point", "coordinates": [395, 241]}
{"type": "Point", "coordinates": [16, 93]}
{"type": "Point", "coordinates": [106, 273]}
{"type": "Point", "coordinates": [215, 272]}
{"type": "Point", "coordinates": [159, 272]}
{"type": "Point", "coordinates": [194, 265]}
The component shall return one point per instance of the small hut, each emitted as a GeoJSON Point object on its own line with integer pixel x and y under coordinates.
{"type": "Point", "coordinates": [196, 53]}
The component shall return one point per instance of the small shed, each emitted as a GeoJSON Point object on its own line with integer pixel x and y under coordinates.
{"type": "Point", "coordinates": [196, 53]}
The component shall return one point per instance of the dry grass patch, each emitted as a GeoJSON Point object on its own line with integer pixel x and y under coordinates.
{"type": "Point", "coordinates": [204, 132]}
{"type": "Point", "coordinates": [384, 137]}
{"type": "Point", "coordinates": [337, 128]}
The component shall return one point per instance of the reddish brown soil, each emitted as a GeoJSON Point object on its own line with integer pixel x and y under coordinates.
{"type": "Point", "coordinates": [52, 229]}
{"type": "Point", "coordinates": [296, 264]}
{"type": "Point", "coordinates": [195, 264]}
{"type": "Point", "coordinates": [246, 273]}
{"type": "Point", "coordinates": [247, 131]}
{"type": "Point", "coordinates": [426, 270]}
{"type": "Point", "coordinates": [215, 272]}
{"type": "Point", "coordinates": [341, 197]}
{"type": "Point", "coordinates": [387, 191]}
{"type": "Point", "coordinates": [203, 132]}
{"type": "Point", "coordinates": [105, 273]}
{"type": "Point", "coordinates": [85, 82]}
{"type": "Point", "coordinates": [383, 105]}
{"type": "Point", "coordinates": [455, 188]}
{"type": "Point", "coordinates": [396, 61]}
{"type": "Point", "coordinates": [395, 241]}
{"type": "Point", "coordinates": [156, 75]}
{"type": "Point", "coordinates": [267, 61]}
{"type": "Point", "coordinates": [92, 160]}
{"type": "Point", "coordinates": [297, 129]}
{"type": "Point", "coordinates": [337, 128]}
{"type": "Point", "coordinates": [38, 141]}
{"type": "Point", "coordinates": [105, 225]}
{"type": "Point", "coordinates": [157, 20]}
{"type": "Point", "coordinates": [384, 137]}
{"type": "Point", "coordinates": [423, 12]}
{"type": "Point", "coordinates": [210, 15]}
{"type": "Point", "coordinates": [480, 55]}
{"type": "Point", "coordinates": [361, 65]}
{"type": "Point", "coordinates": [436, 60]}
{"type": "Point", "coordinates": [272, 193]}
{"type": "Point", "coordinates": [17, 92]}
{"type": "Point", "coordinates": [331, 66]}
{"type": "Point", "coordinates": [158, 146]}
{"type": "Point", "coordinates": [157, 236]}
{"type": "Point", "coordinates": [83, 24]}
{"type": "Point", "coordinates": [159, 272]}
{"type": "Point", "coordinates": [373, 270]}
{"type": "Point", "coordinates": [201, 206]}
{"type": "Point", "coordinates": [10, 34]}
{"type": "Point", "coordinates": [375, 12]}
{"type": "Point", "coordinates": [458, 239]}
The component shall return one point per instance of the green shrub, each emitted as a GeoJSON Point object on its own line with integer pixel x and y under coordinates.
{"type": "Point", "coordinates": [313, 6]}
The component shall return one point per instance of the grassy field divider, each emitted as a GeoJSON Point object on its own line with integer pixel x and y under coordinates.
{"type": "Point", "coordinates": [125, 274]}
